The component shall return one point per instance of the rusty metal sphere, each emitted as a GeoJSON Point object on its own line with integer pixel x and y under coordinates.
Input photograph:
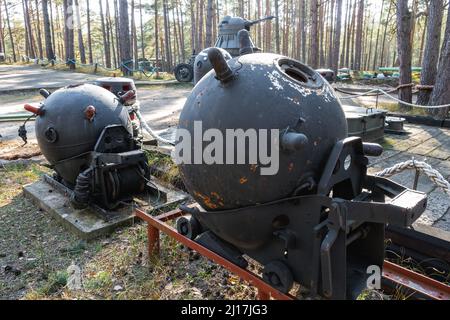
{"type": "Point", "coordinates": [71, 122]}
{"type": "Point", "coordinates": [262, 91]}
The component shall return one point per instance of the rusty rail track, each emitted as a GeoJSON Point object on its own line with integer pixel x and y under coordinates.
{"type": "Point", "coordinates": [418, 286]}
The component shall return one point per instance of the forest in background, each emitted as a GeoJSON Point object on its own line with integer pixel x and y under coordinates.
{"type": "Point", "coordinates": [355, 34]}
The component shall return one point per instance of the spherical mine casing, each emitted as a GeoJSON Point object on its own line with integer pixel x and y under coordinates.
{"type": "Point", "coordinates": [267, 92]}
{"type": "Point", "coordinates": [72, 121]}
{"type": "Point", "coordinates": [202, 65]}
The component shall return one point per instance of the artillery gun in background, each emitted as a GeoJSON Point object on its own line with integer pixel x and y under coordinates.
{"type": "Point", "coordinates": [227, 39]}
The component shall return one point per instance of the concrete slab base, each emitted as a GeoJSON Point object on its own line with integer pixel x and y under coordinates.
{"type": "Point", "coordinates": [94, 222]}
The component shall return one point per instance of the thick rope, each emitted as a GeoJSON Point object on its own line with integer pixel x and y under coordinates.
{"type": "Point", "coordinates": [150, 131]}
{"type": "Point", "coordinates": [395, 99]}
{"type": "Point", "coordinates": [435, 176]}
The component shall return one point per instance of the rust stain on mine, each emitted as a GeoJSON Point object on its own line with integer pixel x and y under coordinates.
{"type": "Point", "coordinates": [243, 180]}
{"type": "Point", "coordinates": [253, 168]}
{"type": "Point", "coordinates": [291, 167]}
{"type": "Point", "coordinates": [206, 200]}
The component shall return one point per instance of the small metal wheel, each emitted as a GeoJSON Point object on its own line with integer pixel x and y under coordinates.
{"type": "Point", "coordinates": [184, 72]}
{"type": "Point", "coordinates": [278, 275]}
{"type": "Point", "coordinates": [188, 227]}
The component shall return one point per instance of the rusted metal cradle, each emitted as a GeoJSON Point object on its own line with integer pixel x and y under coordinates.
{"type": "Point", "coordinates": [319, 220]}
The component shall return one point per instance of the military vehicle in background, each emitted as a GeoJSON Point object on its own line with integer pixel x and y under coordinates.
{"type": "Point", "coordinates": [227, 39]}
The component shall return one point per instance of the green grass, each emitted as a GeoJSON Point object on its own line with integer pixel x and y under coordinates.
{"type": "Point", "coordinates": [394, 107]}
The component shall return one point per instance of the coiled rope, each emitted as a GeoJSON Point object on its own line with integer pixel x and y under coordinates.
{"type": "Point", "coordinates": [435, 176]}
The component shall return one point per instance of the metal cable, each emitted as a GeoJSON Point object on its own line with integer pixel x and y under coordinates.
{"type": "Point", "coordinates": [381, 91]}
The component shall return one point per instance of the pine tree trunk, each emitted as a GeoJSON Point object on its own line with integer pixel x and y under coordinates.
{"type": "Point", "coordinates": [117, 30]}
{"type": "Point", "coordinates": [157, 63]}
{"type": "Point", "coordinates": [441, 92]}
{"type": "Point", "coordinates": [52, 26]}
{"type": "Point", "coordinates": [107, 51]}
{"type": "Point", "coordinates": [383, 44]}
{"type": "Point", "coordinates": [11, 38]}
{"type": "Point", "coordinates": [110, 37]}
{"type": "Point", "coordinates": [304, 34]}
{"type": "Point", "coordinates": [29, 32]}
{"type": "Point", "coordinates": [375, 58]}
{"type": "Point", "coordinates": [176, 46]}
{"type": "Point", "coordinates": [314, 57]}
{"type": "Point", "coordinates": [47, 32]}
{"type": "Point", "coordinates": [193, 28]}
{"type": "Point", "coordinates": [277, 27]}
{"type": "Point", "coordinates": [134, 36]}
{"type": "Point", "coordinates": [359, 35]}
{"type": "Point", "coordinates": [404, 51]}
{"type": "Point", "coordinates": [337, 37]}
{"type": "Point", "coordinates": [167, 37]}
{"type": "Point", "coordinates": [142, 31]}
{"type": "Point", "coordinates": [69, 34]}
{"type": "Point", "coordinates": [321, 35]}
{"type": "Point", "coordinates": [181, 28]}
{"type": "Point", "coordinates": [331, 43]}
{"type": "Point", "coordinates": [38, 31]}
{"type": "Point", "coordinates": [88, 12]}
{"type": "Point", "coordinates": [2, 34]}
{"type": "Point", "coordinates": [125, 45]}
{"type": "Point", "coordinates": [80, 34]}
{"type": "Point", "coordinates": [200, 25]}
{"type": "Point", "coordinates": [209, 18]}
{"type": "Point", "coordinates": [431, 57]}
{"type": "Point", "coordinates": [268, 27]}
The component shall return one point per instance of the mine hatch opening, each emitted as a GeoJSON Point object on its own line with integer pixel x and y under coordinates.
{"type": "Point", "coordinates": [299, 72]}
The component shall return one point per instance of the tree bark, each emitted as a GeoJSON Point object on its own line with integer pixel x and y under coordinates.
{"type": "Point", "coordinates": [69, 34]}
{"type": "Point", "coordinates": [52, 26]}
{"type": "Point", "coordinates": [28, 31]}
{"type": "Point", "coordinates": [125, 45]}
{"type": "Point", "coordinates": [110, 37]}
{"type": "Point", "coordinates": [142, 31]}
{"type": "Point", "coordinates": [441, 92]}
{"type": "Point", "coordinates": [107, 51]}
{"type": "Point", "coordinates": [277, 27]}
{"type": "Point", "coordinates": [193, 28]}
{"type": "Point", "coordinates": [303, 28]}
{"type": "Point", "coordinates": [331, 43]}
{"type": "Point", "coordinates": [431, 53]}
{"type": "Point", "coordinates": [38, 29]}
{"type": "Point", "coordinates": [47, 32]}
{"type": "Point", "coordinates": [156, 39]}
{"type": "Point", "coordinates": [134, 36]}
{"type": "Point", "coordinates": [167, 49]}
{"type": "Point", "coordinates": [89, 35]}
{"type": "Point", "coordinates": [2, 34]}
{"type": "Point", "coordinates": [11, 38]}
{"type": "Point", "coordinates": [314, 57]}
{"type": "Point", "coordinates": [359, 36]}
{"type": "Point", "coordinates": [383, 44]}
{"type": "Point", "coordinates": [209, 18]}
{"type": "Point", "coordinates": [404, 51]}
{"type": "Point", "coordinates": [201, 4]}
{"type": "Point", "coordinates": [337, 37]}
{"type": "Point", "coordinates": [375, 58]}
{"type": "Point", "coordinates": [80, 34]}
